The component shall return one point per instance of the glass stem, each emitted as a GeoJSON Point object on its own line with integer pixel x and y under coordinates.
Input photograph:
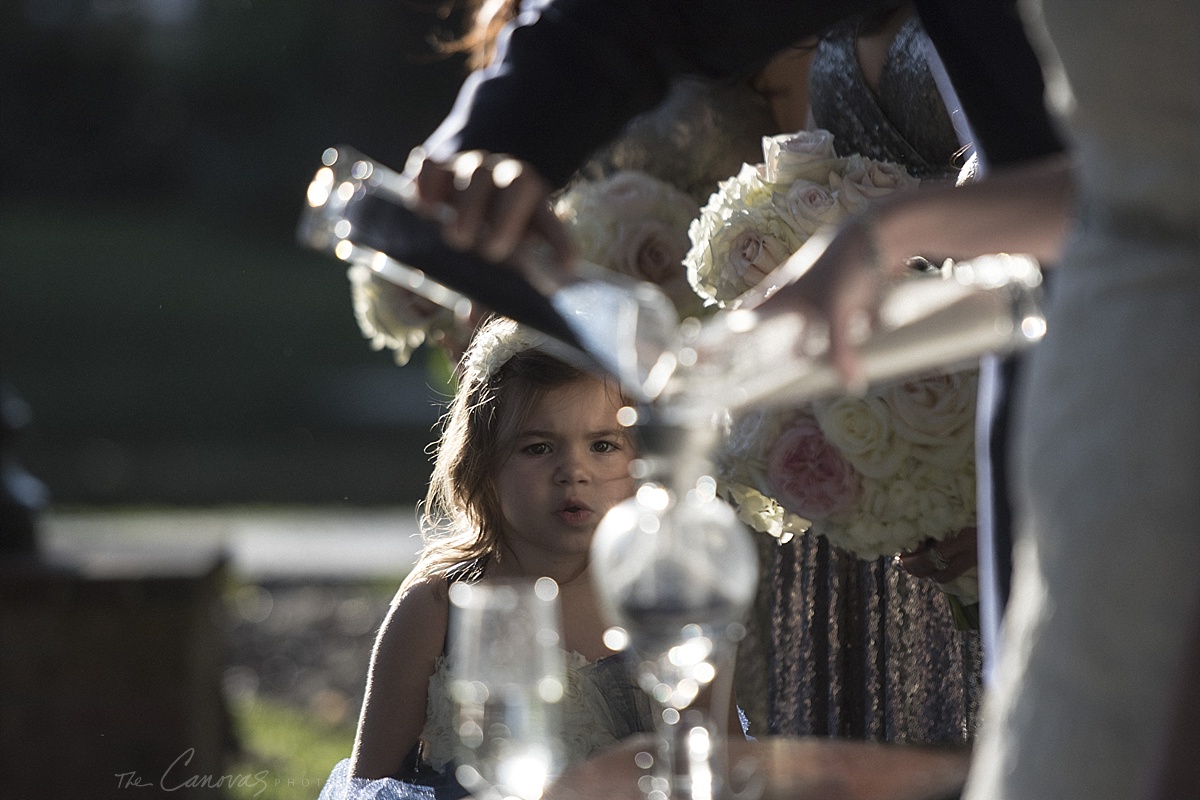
{"type": "Point", "coordinates": [691, 756]}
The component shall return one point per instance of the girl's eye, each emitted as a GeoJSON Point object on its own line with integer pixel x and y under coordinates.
{"type": "Point", "coordinates": [605, 447]}
{"type": "Point", "coordinates": [536, 449]}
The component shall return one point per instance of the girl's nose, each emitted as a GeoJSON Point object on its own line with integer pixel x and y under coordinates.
{"type": "Point", "coordinates": [571, 469]}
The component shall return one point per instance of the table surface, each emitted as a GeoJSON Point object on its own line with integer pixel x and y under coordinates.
{"type": "Point", "coordinates": [787, 768]}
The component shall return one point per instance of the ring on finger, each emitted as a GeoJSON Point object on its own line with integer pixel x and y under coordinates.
{"type": "Point", "coordinates": [939, 561]}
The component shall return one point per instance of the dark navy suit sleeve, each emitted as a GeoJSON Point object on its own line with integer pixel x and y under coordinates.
{"type": "Point", "coordinates": [571, 73]}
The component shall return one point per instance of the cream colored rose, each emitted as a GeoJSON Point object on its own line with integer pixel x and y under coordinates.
{"type": "Point", "coordinates": [743, 251]}
{"type": "Point", "coordinates": [627, 194]}
{"type": "Point", "coordinates": [653, 251]}
{"type": "Point", "coordinates": [860, 427]}
{"type": "Point", "coordinates": [865, 180]}
{"type": "Point", "coordinates": [936, 414]}
{"type": "Point", "coordinates": [806, 207]}
{"type": "Point", "coordinates": [807, 155]}
{"type": "Point", "coordinates": [637, 225]}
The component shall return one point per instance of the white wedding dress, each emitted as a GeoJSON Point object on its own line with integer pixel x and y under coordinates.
{"type": "Point", "coordinates": [1108, 455]}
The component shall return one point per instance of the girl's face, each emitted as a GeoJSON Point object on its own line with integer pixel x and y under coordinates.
{"type": "Point", "coordinates": [568, 466]}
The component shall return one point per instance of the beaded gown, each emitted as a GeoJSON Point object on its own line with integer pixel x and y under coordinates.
{"type": "Point", "coordinates": [862, 649]}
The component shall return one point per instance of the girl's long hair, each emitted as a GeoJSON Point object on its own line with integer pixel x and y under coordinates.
{"type": "Point", "coordinates": [462, 522]}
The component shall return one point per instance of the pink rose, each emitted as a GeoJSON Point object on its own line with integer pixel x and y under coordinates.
{"type": "Point", "coordinates": [807, 474]}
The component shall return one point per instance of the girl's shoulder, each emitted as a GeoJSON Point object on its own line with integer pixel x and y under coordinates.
{"type": "Point", "coordinates": [427, 598]}
{"type": "Point", "coordinates": [418, 619]}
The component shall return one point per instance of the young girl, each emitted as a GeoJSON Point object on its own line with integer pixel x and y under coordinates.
{"type": "Point", "coordinates": [531, 458]}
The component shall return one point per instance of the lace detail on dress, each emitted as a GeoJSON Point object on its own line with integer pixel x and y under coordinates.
{"type": "Point", "coordinates": [905, 123]}
{"type": "Point", "coordinates": [602, 705]}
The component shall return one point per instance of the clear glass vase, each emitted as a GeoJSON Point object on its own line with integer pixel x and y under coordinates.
{"type": "Point", "coordinates": [677, 573]}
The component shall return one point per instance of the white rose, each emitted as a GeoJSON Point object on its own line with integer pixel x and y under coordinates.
{"type": "Point", "coordinates": [807, 155]}
{"type": "Point", "coordinates": [637, 225]}
{"type": "Point", "coordinates": [902, 499]}
{"type": "Point", "coordinates": [748, 246]}
{"type": "Point", "coordinates": [936, 414]}
{"type": "Point", "coordinates": [651, 250]}
{"type": "Point", "coordinates": [865, 180]}
{"type": "Point", "coordinates": [860, 427]}
{"type": "Point", "coordinates": [638, 193]}
{"type": "Point", "coordinates": [741, 202]}
{"type": "Point", "coordinates": [943, 505]}
{"type": "Point", "coordinates": [807, 207]}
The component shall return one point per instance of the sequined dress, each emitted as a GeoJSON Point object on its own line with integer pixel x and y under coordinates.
{"type": "Point", "coordinates": [862, 649]}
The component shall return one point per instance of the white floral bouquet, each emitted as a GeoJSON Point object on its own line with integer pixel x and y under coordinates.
{"type": "Point", "coordinates": [636, 225]}
{"type": "Point", "coordinates": [629, 222]}
{"type": "Point", "coordinates": [762, 215]}
{"type": "Point", "coordinates": [396, 318]}
{"type": "Point", "coordinates": [877, 474]}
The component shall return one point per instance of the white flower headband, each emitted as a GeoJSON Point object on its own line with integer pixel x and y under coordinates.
{"type": "Point", "coordinates": [494, 345]}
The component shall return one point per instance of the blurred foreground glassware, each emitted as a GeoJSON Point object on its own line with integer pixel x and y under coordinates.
{"type": "Point", "coordinates": [677, 573]}
{"type": "Point", "coordinates": [507, 680]}
{"type": "Point", "coordinates": [944, 320]}
{"type": "Point", "coordinates": [356, 210]}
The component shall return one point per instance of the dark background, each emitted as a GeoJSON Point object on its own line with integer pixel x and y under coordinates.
{"type": "Point", "coordinates": [175, 345]}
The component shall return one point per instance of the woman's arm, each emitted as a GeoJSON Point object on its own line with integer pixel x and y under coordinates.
{"type": "Point", "coordinates": [1024, 210]}
{"type": "Point", "coordinates": [406, 651]}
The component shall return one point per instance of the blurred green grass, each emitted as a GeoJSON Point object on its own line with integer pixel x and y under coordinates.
{"type": "Point", "coordinates": [286, 754]}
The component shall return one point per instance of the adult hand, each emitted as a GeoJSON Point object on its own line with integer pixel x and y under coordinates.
{"type": "Point", "coordinates": [842, 287]}
{"type": "Point", "coordinates": [945, 560]}
{"type": "Point", "coordinates": [491, 204]}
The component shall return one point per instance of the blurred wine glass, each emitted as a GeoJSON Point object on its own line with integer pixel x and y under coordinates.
{"type": "Point", "coordinates": [677, 574]}
{"type": "Point", "coordinates": [507, 679]}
